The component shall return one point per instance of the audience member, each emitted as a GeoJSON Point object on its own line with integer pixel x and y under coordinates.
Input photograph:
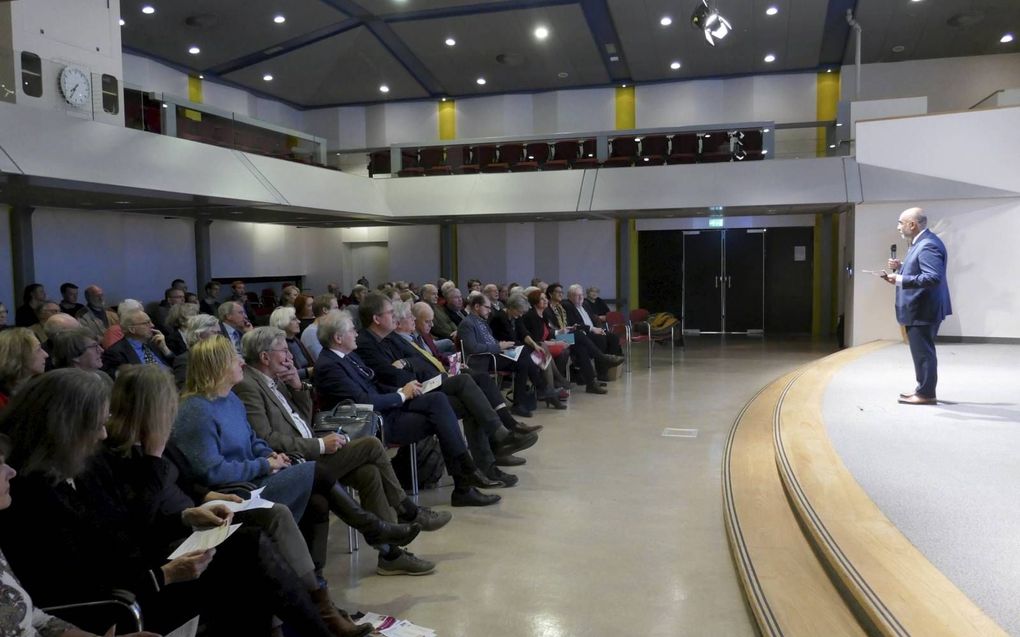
{"type": "Point", "coordinates": [179, 284]}
{"type": "Point", "coordinates": [176, 321]}
{"type": "Point", "coordinates": [21, 358]}
{"type": "Point", "coordinates": [43, 314]}
{"type": "Point", "coordinates": [239, 294]}
{"type": "Point", "coordinates": [95, 317]}
{"type": "Point", "coordinates": [285, 319]}
{"type": "Point", "coordinates": [198, 328]}
{"type": "Point", "coordinates": [578, 316]}
{"type": "Point", "coordinates": [358, 293]}
{"type": "Point", "coordinates": [491, 290]}
{"type": "Point", "coordinates": [288, 295]}
{"type": "Point", "coordinates": [474, 285]}
{"type": "Point", "coordinates": [141, 345]}
{"type": "Point", "coordinates": [76, 347]}
{"type": "Point", "coordinates": [557, 316]}
{"type": "Point", "coordinates": [54, 325]}
{"type": "Point", "coordinates": [115, 332]}
{"type": "Point", "coordinates": [595, 306]}
{"type": "Point", "coordinates": [32, 299]}
{"type": "Point", "coordinates": [233, 322]}
{"type": "Point", "coordinates": [310, 335]}
{"type": "Point", "coordinates": [69, 299]}
{"type": "Point", "coordinates": [303, 309]}
{"type": "Point", "coordinates": [171, 296]}
{"type": "Point", "coordinates": [210, 301]}
{"type": "Point", "coordinates": [408, 415]}
{"type": "Point", "coordinates": [191, 297]}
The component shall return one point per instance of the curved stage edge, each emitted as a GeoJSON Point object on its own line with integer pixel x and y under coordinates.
{"type": "Point", "coordinates": [814, 554]}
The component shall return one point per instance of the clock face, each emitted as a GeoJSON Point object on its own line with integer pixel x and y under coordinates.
{"type": "Point", "coordinates": [75, 86]}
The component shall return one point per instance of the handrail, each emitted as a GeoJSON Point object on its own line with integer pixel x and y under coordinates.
{"type": "Point", "coordinates": [985, 99]}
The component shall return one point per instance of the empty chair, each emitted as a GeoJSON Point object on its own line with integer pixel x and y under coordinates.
{"type": "Point", "coordinates": [684, 150]}
{"type": "Point", "coordinates": [750, 147]}
{"type": "Point", "coordinates": [433, 160]}
{"type": "Point", "coordinates": [654, 150]}
{"type": "Point", "coordinates": [459, 159]}
{"type": "Point", "coordinates": [486, 156]}
{"type": "Point", "coordinates": [623, 151]}
{"type": "Point", "coordinates": [715, 147]}
{"type": "Point", "coordinates": [537, 152]}
{"type": "Point", "coordinates": [409, 163]}
{"type": "Point", "coordinates": [564, 155]}
{"type": "Point", "coordinates": [588, 158]}
{"type": "Point", "coordinates": [513, 155]}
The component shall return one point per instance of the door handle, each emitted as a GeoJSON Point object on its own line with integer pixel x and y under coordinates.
{"type": "Point", "coordinates": [717, 283]}
{"type": "Point", "coordinates": [729, 281]}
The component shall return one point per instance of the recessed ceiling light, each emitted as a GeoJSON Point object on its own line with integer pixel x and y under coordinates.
{"type": "Point", "coordinates": [562, 74]}
{"type": "Point", "coordinates": [832, 145]}
{"type": "Point", "coordinates": [194, 50]}
{"type": "Point", "coordinates": [122, 23]}
{"type": "Point", "coordinates": [480, 81]}
{"type": "Point", "coordinates": [541, 33]}
{"type": "Point", "coordinates": [384, 89]}
{"type": "Point", "coordinates": [772, 11]}
{"type": "Point", "coordinates": [165, 105]}
{"type": "Point", "coordinates": [770, 58]}
{"type": "Point", "coordinates": [828, 70]}
{"type": "Point", "coordinates": [148, 9]}
{"type": "Point", "coordinates": [915, 0]}
{"type": "Point", "coordinates": [765, 152]}
{"type": "Point", "coordinates": [279, 19]}
{"type": "Point", "coordinates": [623, 86]}
{"type": "Point", "coordinates": [201, 77]}
{"type": "Point", "coordinates": [614, 58]}
{"type": "Point", "coordinates": [765, 130]}
{"type": "Point", "coordinates": [838, 124]}
{"type": "Point", "coordinates": [675, 65]}
{"type": "Point", "coordinates": [450, 42]}
{"type": "Point", "coordinates": [1006, 39]}
{"type": "Point", "coordinates": [236, 212]}
{"type": "Point", "coordinates": [442, 100]}
{"type": "Point", "coordinates": [666, 21]}
{"type": "Point", "coordinates": [267, 77]}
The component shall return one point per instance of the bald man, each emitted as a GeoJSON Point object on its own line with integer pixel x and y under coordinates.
{"type": "Point", "coordinates": [922, 300]}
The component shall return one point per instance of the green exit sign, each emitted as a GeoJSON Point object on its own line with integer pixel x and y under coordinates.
{"type": "Point", "coordinates": [715, 222]}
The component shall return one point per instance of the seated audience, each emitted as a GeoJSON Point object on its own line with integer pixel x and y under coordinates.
{"type": "Point", "coordinates": [285, 319]}
{"type": "Point", "coordinates": [32, 299]}
{"type": "Point", "coordinates": [578, 316]}
{"type": "Point", "coordinates": [95, 317]}
{"type": "Point", "coordinates": [454, 306]}
{"type": "Point", "coordinates": [443, 327]}
{"type": "Point", "coordinates": [358, 293]}
{"type": "Point", "coordinates": [310, 335]}
{"type": "Point", "coordinates": [191, 297]}
{"type": "Point", "coordinates": [76, 348]}
{"type": "Point", "coordinates": [115, 332]}
{"type": "Point", "coordinates": [21, 358]}
{"type": "Point", "coordinates": [233, 322]}
{"type": "Point", "coordinates": [559, 317]}
{"type": "Point", "coordinates": [210, 301]}
{"type": "Point", "coordinates": [288, 295]}
{"type": "Point", "coordinates": [279, 408]}
{"type": "Point", "coordinates": [548, 320]}
{"type": "Point", "coordinates": [72, 533]}
{"type": "Point", "coordinates": [171, 296]}
{"type": "Point", "coordinates": [141, 345]}
{"type": "Point", "coordinates": [54, 325]}
{"type": "Point", "coordinates": [176, 321]}
{"type": "Point", "coordinates": [69, 299]}
{"type": "Point", "coordinates": [408, 415]}
{"type": "Point", "coordinates": [43, 314]}
{"type": "Point", "coordinates": [304, 311]}
{"type": "Point", "coordinates": [18, 615]}
{"type": "Point", "coordinates": [491, 290]}
{"type": "Point", "coordinates": [143, 407]}
{"type": "Point", "coordinates": [595, 306]}
{"type": "Point", "coordinates": [474, 285]}
{"type": "Point", "coordinates": [239, 294]}
{"type": "Point", "coordinates": [197, 329]}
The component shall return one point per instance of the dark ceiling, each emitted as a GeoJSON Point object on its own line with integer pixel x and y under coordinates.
{"type": "Point", "coordinates": [334, 52]}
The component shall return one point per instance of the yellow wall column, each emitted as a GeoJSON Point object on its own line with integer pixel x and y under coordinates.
{"type": "Point", "coordinates": [447, 120]}
{"type": "Point", "coordinates": [625, 112]}
{"type": "Point", "coordinates": [826, 106]}
{"type": "Point", "coordinates": [626, 118]}
{"type": "Point", "coordinates": [194, 95]}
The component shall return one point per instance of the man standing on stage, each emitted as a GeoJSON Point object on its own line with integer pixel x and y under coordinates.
{"type": "Point", "coordinates": [922, 300]}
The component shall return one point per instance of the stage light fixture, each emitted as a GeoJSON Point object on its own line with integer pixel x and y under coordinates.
{"type": "Point", "coordinates": [710, 22]}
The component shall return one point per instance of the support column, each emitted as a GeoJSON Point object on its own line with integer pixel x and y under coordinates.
{"type": "Point", "coordinates": [448, 251]}
{"type": "Point", "coordinates": [22, 251]}
{"type": "Point", "coordinates": [203, 254]}
{"type": "Point", "coordinates": [627, 270]}
{"type": "Point", "coordinates": [447, 120]}
{"type": "Point", "coordinates": [826, 108]}
{"type": "Point", "coordinates": [822, 277]}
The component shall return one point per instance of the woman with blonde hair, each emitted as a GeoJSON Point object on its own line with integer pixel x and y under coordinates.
{"type": "Point", "coordinates": [21, 358]}
{"type": "Point", "coordinates": [176, 323]}
{"type": "Point", "coordinates": [286, 319]}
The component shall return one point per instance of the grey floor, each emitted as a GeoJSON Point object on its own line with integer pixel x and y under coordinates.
{"type": "Point", "coordinates": [947, 476]}
{"type": "Point", "coordinates": [613, 529]}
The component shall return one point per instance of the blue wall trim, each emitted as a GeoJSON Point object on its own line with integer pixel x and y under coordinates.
{"type": "Point", "coordinates": [836, 33]}
{"type": "Point", "coordinates": [600, 22]}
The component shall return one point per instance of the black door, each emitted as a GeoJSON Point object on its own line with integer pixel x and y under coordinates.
{"type": "Point", "coordinates": [702, 279]}
{"type": "Point", "coordinates": [744, 280]}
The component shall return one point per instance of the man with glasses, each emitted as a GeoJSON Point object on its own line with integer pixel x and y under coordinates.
{"type": "Point", "coordinates": [233, 322]}
{"type": "Point", "coordinates": [141, 345]}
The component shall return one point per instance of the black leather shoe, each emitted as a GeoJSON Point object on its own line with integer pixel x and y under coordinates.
{"type": "Point", "coordinates": [610, 360]}
{"type": "Point", "coordinates": [521, 428]}
{"type": "Point", "coordinates": [509, 461]}
{"type": "Point", "coordinates": [477, 479]}
{"type": "Point", "coordinates": [595, 388]}
{"type": "Point", "coordinates": [473, 498]}
{"type": "Point", "coordinates": [517, 410]}
{"type": "Point", "coordinates": [386, 533]}
{"type": "Point", "coordinates": [515, 442]}
{"type": "Point", "coordinates": [507, 479]}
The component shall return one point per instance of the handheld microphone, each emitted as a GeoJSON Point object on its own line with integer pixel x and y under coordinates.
{"type": "Point", "coordinates": [892, 251]}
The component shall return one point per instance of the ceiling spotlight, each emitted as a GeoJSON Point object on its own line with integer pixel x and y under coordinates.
{"type": "Point", "coordinates": [675, 65]}
{"type": "Point", "coordinates": [1006, 39]}
{"type": "Point", "coordinates": [450, 42]}
{"type": "Point", "coordinates": [666, 21]}
{"type": "Point", "coordinates": [442, 99]}
{"type": "Point", "coordinates": [832, 145]}
{"type": "Point", "coordinates": [838, 124]}
{"type": "Point", "coordinates": [201, 77]}
{"type": "Point", "coordinates": [772, 11]}
{"type": "Point", "coordinates": [122, 23]}
{"type": "Point", "coordinates": [766, 130]}
{"type": "Point", "coordinates": [194, 50]}
{"type": "Point", "coordinates": [480, 81]}
{"type": "Point", "coordinates": [770, 58]}
{"type": "Point", "coordinates": [279, 19]}
{"type": "Point", "coordinates": [623, 86]}
{"type": "Point", "coordinates": [708, 20]}
{"type": "Point", "coordinates": [148, 9]}
{"type": "Point", "coordinates": [267, 78]}
{"type": "Point", "coordinates": [541, 33]}
{"type": "Point", "coordinates": [765, 152]}
{"type": "Point", "coordinates": [384, 89]}
{"type": "Point", "coordinates": [614, 58]}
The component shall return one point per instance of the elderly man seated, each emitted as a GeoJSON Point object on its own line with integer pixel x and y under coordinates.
{"type": "Point", "coordinates": [393, 359]}
{"type": "Point", "coordinates": [577, 315]}
{"type": "Point", "coordinates": [141, 345]}
{"type": "Point", "coordinates": [408, 414]}
{"type": "Point", "coordinates": [94, 316]}
{"type": "Point", "coordinates": [233, 322]}
{"type": "Point", "coordinates": [279, 408]}
{"type": "Point", "coordinates": [171, 296]}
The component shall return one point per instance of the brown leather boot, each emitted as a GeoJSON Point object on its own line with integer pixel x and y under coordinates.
{"type": "Point", "coordinates": [338, 624]}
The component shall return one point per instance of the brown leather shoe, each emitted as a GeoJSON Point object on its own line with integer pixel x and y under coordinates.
{"type": "Point", "coordinates": [918, 399]}
{"type": "Point", "coordinates": [339, 625]}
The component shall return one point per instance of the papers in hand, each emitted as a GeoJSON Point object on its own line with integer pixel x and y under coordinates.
{"type": "Point", "coordinates": [204, 540]}
{"type": "Point", "coordinates": [432, 383]}
{"type": "Point", "coordinates": [393, 627]}
{"type": "Point", "coordinates": [566, 337]}
{"type": "Point", "coordinates": [254, 502]}
{"type": "Point", "coordinates": [880, 273]}
{"type": "Point", "coordinates": [189, 629]}
{"type": "Point", "coordinates": [540, 358]}
{"type": "Point", "coordinates": [513, 353]}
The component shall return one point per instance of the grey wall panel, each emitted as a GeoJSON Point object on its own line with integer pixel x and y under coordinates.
{"type": "Point", "coordinates": [886, 184]}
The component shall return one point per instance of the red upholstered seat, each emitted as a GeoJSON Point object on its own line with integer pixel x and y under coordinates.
{"type": "Point", "coordinates": [715, 147]}
{"type": "Point", "coordinates": [462, 160]}
{"type": "Point", "coordinates": [409, 164]}
{"type": "Point", "coordinates": [513, 155]}
{"type": "Point", "coordinates": [433, 160]}
{"type": "Point", "coordinates": [654, 150]}
{"type": "Point", "coordinates": [589, 157]}
{"type": "Point", "coordinates": [685, 149]}
{"type": "Point", "coordinates": [564, 155]}
{"type": "Point", "coordinates": [487, 159]}
{"type": "Point", "coordinates": [622, 152]}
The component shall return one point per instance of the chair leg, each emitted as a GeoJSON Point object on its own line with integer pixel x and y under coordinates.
{"type": "Point", "coordinates": [649, 345]}
{"type": "Point", "coordinates": [414, 468]}
{"type": "Point", "coordinates": [352, 535]}
{"type": "Point", "coordinates": [672, 347]}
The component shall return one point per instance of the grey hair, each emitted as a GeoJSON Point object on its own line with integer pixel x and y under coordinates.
{"type": "Point", "coordinates": [333, 323]}
{"type": "Point", "coordinates": [126, 307]}
{"type": "Point", "coordinates": [518, 302]}
{"type": "Point", "coordinates": [260, 340]}
{"type": "Point", "coordinates": [131, 316]}
{"type": "Point", "coordinates": [197, 327]}
{"type": "Point", "coordinates": [180, 313]}
{"type": "Point", "coordinates": [225, 309]}
{"type": "Point", "coordinates": [401, 310]}
{"type": "Point", "coordinates": [577, 287]}
{"type": "Point", "coordinates": [282, 316]}
{"type": "Point", "coordinates": [447, 286]}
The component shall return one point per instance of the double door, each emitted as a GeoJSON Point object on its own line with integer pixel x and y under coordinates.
{"type": "Point", "coordinates": [724, 281]}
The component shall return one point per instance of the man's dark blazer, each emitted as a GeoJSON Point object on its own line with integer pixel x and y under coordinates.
{"type": "Point", "coordinates": [380, 354]}
{"type": "Point", "coordinates": [175, 342]}
{"type": "Point", "coordinates": [505, 328]}
{"type": "Point", "coordinates": [122, 353]}
{"type": "Point", "coordinates": [574, 316]}
{"type": "Point", "coordinates": [923, 296]}
{"type": "Point", "coordinates": [270, 419]}
{"type": "Point", "coordinates": [455, 315]}
{"type": "Point", "coordinates": [339, 379]}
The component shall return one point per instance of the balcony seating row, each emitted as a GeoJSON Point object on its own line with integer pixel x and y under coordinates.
{"type": "Point", "coordinates": [650, 150]}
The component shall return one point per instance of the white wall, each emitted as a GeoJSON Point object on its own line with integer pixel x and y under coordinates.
{"type": "Point", "coordinates": [128, 255]}
{"type": "Point", "coordinates": [951, 84]}
{"type": "Point", "coordinates": [414, 253]}
{"type": "Point", "coordinates": [979, 236]}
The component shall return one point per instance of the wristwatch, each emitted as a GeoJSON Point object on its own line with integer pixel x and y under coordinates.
{"type": "Point", "coordinates": [306, 386]}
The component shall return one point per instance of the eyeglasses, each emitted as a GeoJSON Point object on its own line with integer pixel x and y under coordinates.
{"type": "Point", "coordinates": [94, 346]}
{"type": "Point", "coordinates": [278, 349]}
{"type": "Point", "coordinates": [141, 324]}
